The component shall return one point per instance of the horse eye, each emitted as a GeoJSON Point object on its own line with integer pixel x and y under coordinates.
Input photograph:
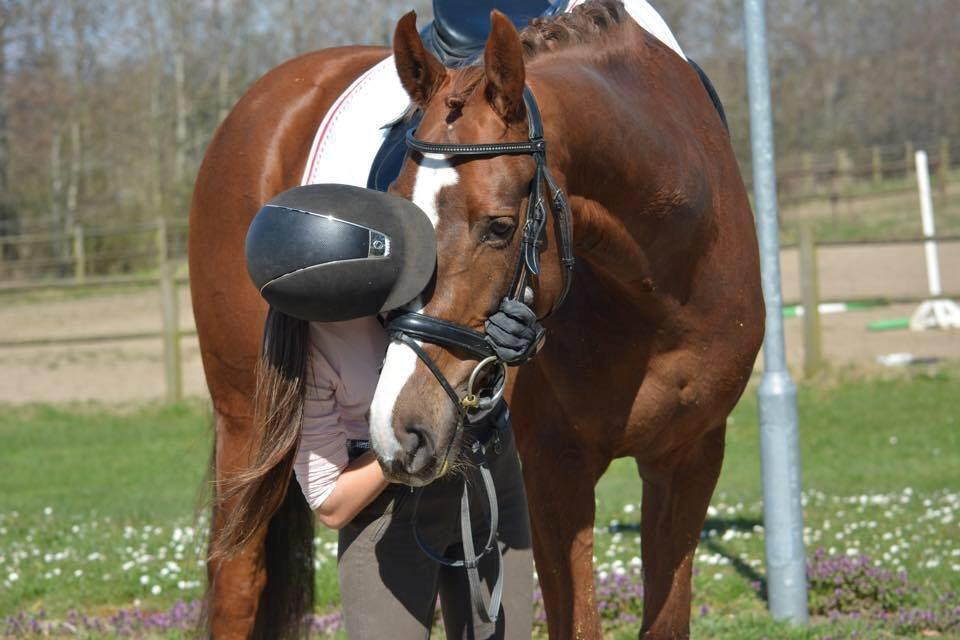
{"type": "Point", "coordinates": [500, 228]}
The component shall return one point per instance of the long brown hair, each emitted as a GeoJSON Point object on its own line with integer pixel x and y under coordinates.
{"type": "Point", "coordinates": [258, 491]}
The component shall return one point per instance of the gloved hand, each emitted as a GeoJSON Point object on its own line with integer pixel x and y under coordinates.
{"type": "Point", "coordinates": [514, 333]}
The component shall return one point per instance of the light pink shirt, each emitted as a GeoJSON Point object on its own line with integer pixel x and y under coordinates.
{"type": "Point", "coordinates": [342, 372]}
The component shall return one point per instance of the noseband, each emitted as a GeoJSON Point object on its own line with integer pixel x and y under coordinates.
{"type": "Point", "coordinates": [409, 326]}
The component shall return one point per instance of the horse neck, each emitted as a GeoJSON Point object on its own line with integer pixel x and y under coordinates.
{"type": "Point", "coordinates": [602, 157]}
{"type": "Point", "coordinates": [591, 122]}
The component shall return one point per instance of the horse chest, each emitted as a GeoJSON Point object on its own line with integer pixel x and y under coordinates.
{"type": "Point", "coordinates": [631, 394]}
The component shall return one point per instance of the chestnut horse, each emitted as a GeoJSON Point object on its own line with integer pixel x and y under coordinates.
{"type": "Point", "coordinates": [646, 358]}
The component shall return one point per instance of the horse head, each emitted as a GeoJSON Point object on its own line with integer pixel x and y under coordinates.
{"type": "Point", "coordinates": [477, 204]}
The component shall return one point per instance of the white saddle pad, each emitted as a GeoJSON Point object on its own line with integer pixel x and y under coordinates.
{"type": "Point", "coordinates": [353, 130]}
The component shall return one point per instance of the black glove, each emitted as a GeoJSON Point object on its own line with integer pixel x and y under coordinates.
{"type": "Point", "coordinates": [514, 332]}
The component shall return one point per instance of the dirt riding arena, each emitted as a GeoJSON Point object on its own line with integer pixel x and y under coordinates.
{"type": "Point", "coordinates": [109, 371]}
{"type": "Point", "coordinates": [130, 371]}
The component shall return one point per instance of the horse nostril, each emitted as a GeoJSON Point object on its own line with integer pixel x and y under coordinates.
{"type": "Point", "coordinates": [418, 446]}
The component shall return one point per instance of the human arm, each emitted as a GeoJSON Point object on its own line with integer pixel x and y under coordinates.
{"type": "Point", "coordinates": [357, 486]}
{"type": "Point", "coordinates": [337, 488]}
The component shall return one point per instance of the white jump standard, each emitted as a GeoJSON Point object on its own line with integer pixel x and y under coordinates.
{"type": "Point", "coordinates": [937, 312]}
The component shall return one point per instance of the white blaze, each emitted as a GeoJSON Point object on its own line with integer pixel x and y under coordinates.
{"type": "Point", "coordinates": [435, 173]}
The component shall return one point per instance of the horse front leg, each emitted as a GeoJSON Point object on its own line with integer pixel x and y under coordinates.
{"type": "Point", "coordinates": [560, 490]}
{"type": "Point", "coordinates": [560, 474]}
{"type": "Point", "coordinates": [674, 508]}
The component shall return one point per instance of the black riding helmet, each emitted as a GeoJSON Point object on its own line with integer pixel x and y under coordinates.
{"type": "Point", "coordinates": [332, 252]}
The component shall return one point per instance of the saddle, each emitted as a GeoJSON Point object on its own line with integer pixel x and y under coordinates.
{"type": "Point", "coordinates": [460, 27]}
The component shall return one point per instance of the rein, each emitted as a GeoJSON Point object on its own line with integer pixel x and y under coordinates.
{"type": "Point", "coordinates": [408, 327]}
{"type": "Point", "coordinates": [488, 610]}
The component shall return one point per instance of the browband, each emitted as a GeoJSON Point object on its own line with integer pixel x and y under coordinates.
{"type": "Point", "coordinates": [487, 149]}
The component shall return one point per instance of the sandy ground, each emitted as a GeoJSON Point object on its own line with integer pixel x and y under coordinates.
{"type": "Point", "coordinates": [132, 371]}
{"type": "Point", "coordinates": [893, 271]}
{"type": "Point", "coordinates": [111, 371]}
{"type": "Point", "coordinates": [846, 340]}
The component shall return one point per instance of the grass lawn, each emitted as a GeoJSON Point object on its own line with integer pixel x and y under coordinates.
{"type": "Point", "coordinates": [99, 510]}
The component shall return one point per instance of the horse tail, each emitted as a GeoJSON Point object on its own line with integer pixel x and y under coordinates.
{"type": "Point", "coordinates": [288, 555]}
{"type": "Point", "coordinates": [266, 495]}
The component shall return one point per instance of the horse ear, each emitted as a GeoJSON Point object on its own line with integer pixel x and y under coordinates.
{"type": "Point", "coordinates": [503, 66]}
{"type": "Point", "coordinates": [420, 72]}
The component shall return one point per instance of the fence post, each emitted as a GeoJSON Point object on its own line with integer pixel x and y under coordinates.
{"type": "Point", "coordinates": [171, 333]}
{"type": "Point", "coordinates": [810, 176]}
{"type": "Point", "coordinates": [162, 251]}
{"type": "Point", "coordinates": [908, 159]}
{"type": "Point", "coordinates": [943, 169]}
{"type": "Point", "coordinates": [843, 170]}
{"type": "Point", "coordinates": [810, 296]}
{"type": "Point", "coordinates": [877, 162]}
{"type": "Point", "coordinates": [173, 371]}
{"type": "Point", "coordinates": [79, 255]}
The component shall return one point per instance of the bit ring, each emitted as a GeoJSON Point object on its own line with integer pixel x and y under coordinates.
{"type": "Point", "coordinates": [473, 400]}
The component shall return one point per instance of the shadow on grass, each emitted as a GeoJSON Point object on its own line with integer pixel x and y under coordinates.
{"type": "Point", "coordinates": [719, 526]}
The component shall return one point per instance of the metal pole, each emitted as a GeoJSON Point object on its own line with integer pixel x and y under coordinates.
{"type": "Point", "coordinates": [779, 432]}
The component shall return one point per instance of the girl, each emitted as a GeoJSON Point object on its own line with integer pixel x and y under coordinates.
{"type": "Point", "coordinates": [314, 393]}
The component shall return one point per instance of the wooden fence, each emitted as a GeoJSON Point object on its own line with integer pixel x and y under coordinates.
{"type": "Point", "coordinates": [149, 254]}
{"type": "Point", "coordinates": [165, 280]}
{"type": "Point", "coordinates": [82, 252]}
{"type": "Point", "coordinates": [847, 172]}
{"type": "Point", "coordinates": [167, 285]}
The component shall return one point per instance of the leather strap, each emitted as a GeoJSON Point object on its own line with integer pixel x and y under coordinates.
{"type": "Point", "coordinates": [491, 149]}
{"type": "Point", "coordinates": [472, 561]}
{"type": "Point", "coordinates": [488, 610]}
{"type": "Point", "coordinates": [441, 332]}
{"type": "Point", "coordinates": [434, 369]}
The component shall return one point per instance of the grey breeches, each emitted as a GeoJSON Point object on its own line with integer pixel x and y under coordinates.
{"type": "Point", "coordinates": [389, 588]}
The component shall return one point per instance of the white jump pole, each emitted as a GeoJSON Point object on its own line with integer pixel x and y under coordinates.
{"type": "Point", "coordinates": [929, 227]}
{"type": "Point", "coordinates": [935, 313]}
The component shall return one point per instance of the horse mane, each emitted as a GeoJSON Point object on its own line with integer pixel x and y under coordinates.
{"type": "Point", "coordinates": [590, 22]}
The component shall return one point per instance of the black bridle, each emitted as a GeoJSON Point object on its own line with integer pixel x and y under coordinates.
{"type": "Point", "coordinates": [408, 327]}
{"type": "Point", "coordinates": [448, 334]}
